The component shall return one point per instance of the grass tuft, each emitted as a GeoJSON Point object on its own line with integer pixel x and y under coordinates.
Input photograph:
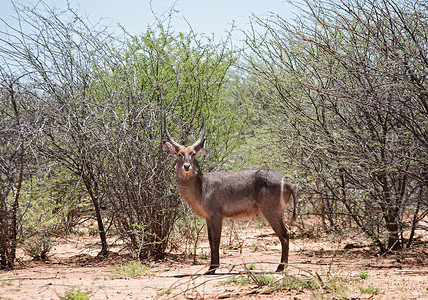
{"type": "Point", "coordinates": [76, 295]}
{"type": "Point", "coordinates": [131, 269]}
{"type": "Point", "coordinates": [369, 290]}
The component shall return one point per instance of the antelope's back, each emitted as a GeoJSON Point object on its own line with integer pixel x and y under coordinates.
{"type": "Point", "coordinates": [241, 194]}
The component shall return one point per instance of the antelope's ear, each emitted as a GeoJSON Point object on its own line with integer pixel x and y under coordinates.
{"type": "Point", "coordinates": [199, 147]}
{"type": "Point", "coordinates": [169, 148]}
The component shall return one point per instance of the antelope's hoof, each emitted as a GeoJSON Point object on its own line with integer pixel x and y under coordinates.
{"type": "Point", "coordinates": [280, 268]}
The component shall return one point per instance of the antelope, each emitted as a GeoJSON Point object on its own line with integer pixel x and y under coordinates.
{"type": "Point", "coordinates": [237, 195]}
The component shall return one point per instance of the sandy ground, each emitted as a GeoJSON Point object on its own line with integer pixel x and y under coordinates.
{"type": "Point", "coordinates": [73, 266]}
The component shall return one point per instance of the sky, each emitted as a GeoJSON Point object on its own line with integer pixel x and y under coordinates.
{"type": "Point", "coordinates": [204, 16]}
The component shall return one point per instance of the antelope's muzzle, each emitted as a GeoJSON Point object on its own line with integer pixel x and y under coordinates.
{"type": "Point", "coordinates": [187, 165]}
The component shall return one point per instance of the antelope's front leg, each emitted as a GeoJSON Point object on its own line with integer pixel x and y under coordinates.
{"type": "Point", "coordinates": [214, 226]}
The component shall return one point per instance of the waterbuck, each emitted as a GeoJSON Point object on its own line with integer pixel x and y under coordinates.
{"type": "Point", "coordinates": [237, 195]}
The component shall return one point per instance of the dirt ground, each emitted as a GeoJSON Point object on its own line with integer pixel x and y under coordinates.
{"type": "Point", "coordinates": [355, 273]}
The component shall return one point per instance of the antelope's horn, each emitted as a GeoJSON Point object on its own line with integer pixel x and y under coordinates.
{"type": "Point", "coordinates": [174, 143]}
{"type": "Point", "coordinates": [201, 138]}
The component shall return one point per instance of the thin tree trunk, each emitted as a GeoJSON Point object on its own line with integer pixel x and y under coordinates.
{"type": "Point", "coordinates": [415, 219]}
{"type": "Point", "coordinates": [93, 192]}
{"type": "Point", "coordinates": [3, 233]}
{"type": "Point", "coordinates": [391, 215]}
{"type": "Point", "coordinates": [14, 229]}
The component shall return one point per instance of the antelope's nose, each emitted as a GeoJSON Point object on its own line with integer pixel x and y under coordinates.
{"type": "Point", "coordinates": [186, 166]}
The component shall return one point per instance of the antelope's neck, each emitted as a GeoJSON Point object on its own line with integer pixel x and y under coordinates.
{"type": "Point", "coordinates": [190, 188]}
{"type": "Point", "coordinates": [191, 191]}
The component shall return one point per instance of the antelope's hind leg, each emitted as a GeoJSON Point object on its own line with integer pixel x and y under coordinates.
{"type": "Point", "coordinates": [277, 224]}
